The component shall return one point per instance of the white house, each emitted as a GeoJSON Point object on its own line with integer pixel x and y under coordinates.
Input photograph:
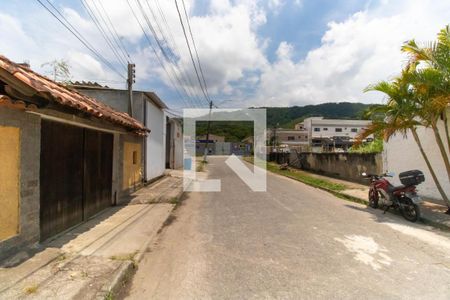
{"type": "Point", "coordinates": [163, 146]}
{"type": "Point", "coordinates": [156, 141]}
{"type": "Point", "coordinates": [402, 154]}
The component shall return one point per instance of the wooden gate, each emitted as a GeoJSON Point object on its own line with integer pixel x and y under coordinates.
{"type": "Point", "coordinates": [98, 171]}
{"type": "Point", "coordinates": [75, 176]}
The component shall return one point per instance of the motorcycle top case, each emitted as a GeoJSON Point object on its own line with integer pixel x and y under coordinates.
{"type": "Point", "coordinates": [413, 177]}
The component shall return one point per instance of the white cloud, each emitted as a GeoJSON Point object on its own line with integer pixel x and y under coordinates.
{"type": "Point", "coordinates": [355, 52]}
{"type": "Point", "coordinates": [363, 49]}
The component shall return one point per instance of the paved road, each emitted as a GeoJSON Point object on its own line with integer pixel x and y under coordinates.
{"type": "Point", "coordinates": [291, 242]}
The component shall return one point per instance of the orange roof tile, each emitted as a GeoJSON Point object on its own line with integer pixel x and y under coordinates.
{"type": "Point", "coordinates": [65, 96]}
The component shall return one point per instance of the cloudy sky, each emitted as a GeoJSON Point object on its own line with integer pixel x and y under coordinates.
{"type": "Point", "coordinates": [253, 53]}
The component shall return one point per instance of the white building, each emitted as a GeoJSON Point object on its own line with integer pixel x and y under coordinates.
{"type": "Point", "coordinates": [332, 134]}
{"type": "Point", "coordinates": [163, 147]}
{"type": "Point", "coordinates": [402, 154]}
{"type": "Point", "coordinates": [155, 152]}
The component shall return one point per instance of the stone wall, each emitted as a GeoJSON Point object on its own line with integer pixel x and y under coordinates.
{"type": "Point", "coordinates": [347, 166]}
{"type": "Point", "coordinates": [29, 153]}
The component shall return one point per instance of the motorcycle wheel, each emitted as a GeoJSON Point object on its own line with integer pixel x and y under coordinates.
{"type": "Point", "coordinates": [410, 210]}
{"type": "Point", "coordinates": [373, 198]}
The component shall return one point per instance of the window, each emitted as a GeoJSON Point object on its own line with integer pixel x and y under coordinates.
{"type": "Point", "coordinates": [316, 129]}
{"type": "Point", "coordinates": [354, 129]}
{"type": "Point", "coordinates": [291, 138]}
{"type": "Point", "coordinates": [325, 129]}
{"type": "Point", "coordinates": [338, 129]}
{"type": "Point", "coordinates": [134, 157]}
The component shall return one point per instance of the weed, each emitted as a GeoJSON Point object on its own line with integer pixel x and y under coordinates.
{"type": "Point", "coordinates": [125, 257]}
{"type": "Point", "coordinates": [109, 296]}
{"type": "Point", "coordinates": [174, 200]}
{"type": "Point", "coordinates": [32, 289]}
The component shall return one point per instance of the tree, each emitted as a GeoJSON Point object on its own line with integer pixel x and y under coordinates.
{"type": "Point", "coordinates": [60, 70]}
{"type": "Point", "coordinates": [401, 115]}
{"type": "Point", "coordinates": [430, 67]}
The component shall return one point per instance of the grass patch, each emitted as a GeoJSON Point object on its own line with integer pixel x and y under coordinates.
{"type": "Point", "coordinates": [310, 180]}
{"type": "Point", "coordinates": [32, 289]}
{"type": "Point", "coordinates": [109, 296]}
{"type": "Point", "coordinates": [302, 177]}
{"type": "Point", "coordinates": [125, 257]}
{"type": "Point", "coordinates": [201, 166]}
{"type": "Point", "coordinates": [174, 200]}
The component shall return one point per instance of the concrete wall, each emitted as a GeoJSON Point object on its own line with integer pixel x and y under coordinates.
{"type": "Point", "coordinates": [347, 166]}
{"type": "Point", "coordinates": [156, 141]}
{"type": "Point", "coordinates": [29, 156]}
{"type": "Point", "coordinates": [9, 178]}
{"type": "Point", "coordinates": [402, 154]}
{"type": "Point", "coordinates": [118, 99]}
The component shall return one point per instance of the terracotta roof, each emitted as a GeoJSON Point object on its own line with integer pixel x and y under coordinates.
{"type": "Point", "coordinates": [53, 91]}
{"type": "Point", "coordinates": [18, 104]}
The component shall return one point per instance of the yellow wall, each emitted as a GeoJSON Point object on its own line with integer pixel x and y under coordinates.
{"type": "Point", "coordinates": [132, 173]}
{"type": "Point", "coordinates": [9, 181]}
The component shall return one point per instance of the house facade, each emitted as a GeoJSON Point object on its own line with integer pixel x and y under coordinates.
{"type": "Point", "coordinates": [162, 145]}
{"type": "Point", "coordinates": [401, 153]}
{"type": "Point", "coordinates": [65, 157]}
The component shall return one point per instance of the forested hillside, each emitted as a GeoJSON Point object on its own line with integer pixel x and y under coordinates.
{"type": "Point", "coordinates": [285, 117]}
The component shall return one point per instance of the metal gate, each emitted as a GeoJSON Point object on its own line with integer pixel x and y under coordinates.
{"type": "Point", "coordinates": [75, 176]}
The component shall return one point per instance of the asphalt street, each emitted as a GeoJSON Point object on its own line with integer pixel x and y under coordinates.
{"type": "Point", "coordinates": [291, 242]}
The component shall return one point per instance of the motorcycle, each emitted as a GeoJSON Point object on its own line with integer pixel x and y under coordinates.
{"type": "Point", "coordinates": [403, 197]}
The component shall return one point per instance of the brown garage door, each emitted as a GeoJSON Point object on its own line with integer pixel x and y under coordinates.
{"type": "Point", "coordinates": [76, 175]}
{"type": "Point", "coordinates": [98, 171]}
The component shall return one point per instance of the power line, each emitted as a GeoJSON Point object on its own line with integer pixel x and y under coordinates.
{"type": "Point", "coordinates": [184, 76]}
{"type": "Point", "coordinates": [156, 54]}
{"type": "Point", "coordinates": [190, 52]}
{"type": "Point", "coordinates": [107, 39]}
{"type": "Point", "coordinates": [163, 51]}
{"type": "Point", "coordinates": [195, 49]}
{"type": "Point", "coordinates": [113, 33]}
{"type": "Point", "coordinates": [79, 36]}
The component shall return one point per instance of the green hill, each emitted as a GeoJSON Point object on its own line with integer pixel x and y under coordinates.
{"type": "Point", "coordinates": [285, 117]}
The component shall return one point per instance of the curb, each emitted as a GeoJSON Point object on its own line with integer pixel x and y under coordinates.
{"type": "Point", "coordinates": [350, 198]}
{"type": "Point", "coordinates": [128, 268]}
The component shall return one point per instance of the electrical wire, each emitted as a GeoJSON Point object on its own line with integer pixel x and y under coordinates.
{"type": "Point", "coordinates": [195, 49]}
{"type": "Point", "coordinates": [79, 36]}
{"type": "Point", "coordinates": [107, 39]}
{"type": "Point", "coordinates": [190, 53]}
{"type": "Point", "coordinates": [113, 32]}
{"type": "Point", "coordinates": [164, 53]}
{"type": "Point", "coordinates": [185, 78]}
{"type": "Point", "coordinates": [157, 55]}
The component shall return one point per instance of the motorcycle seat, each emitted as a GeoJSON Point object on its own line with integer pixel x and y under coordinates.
{"type": "Point", "coordinates": [395, 188]}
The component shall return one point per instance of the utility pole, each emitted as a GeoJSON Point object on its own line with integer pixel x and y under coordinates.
{"type": "Point", "coordinates": [207, 131]}
{"type": "Point", "coordinates": [130, 81]}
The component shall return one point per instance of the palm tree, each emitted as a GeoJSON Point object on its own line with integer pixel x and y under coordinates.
{"type": "Point", "coordinates": [400, 116]}
{"type": "Point", "coordinates": [433, 83]}
{"type": "Point", "coordinates": [431, 103]}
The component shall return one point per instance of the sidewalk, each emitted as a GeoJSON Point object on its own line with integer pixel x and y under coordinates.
{"type": "Point", "coordinates": [91, 260]}
{"type": "Point", "coordinates": [432, 211]}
